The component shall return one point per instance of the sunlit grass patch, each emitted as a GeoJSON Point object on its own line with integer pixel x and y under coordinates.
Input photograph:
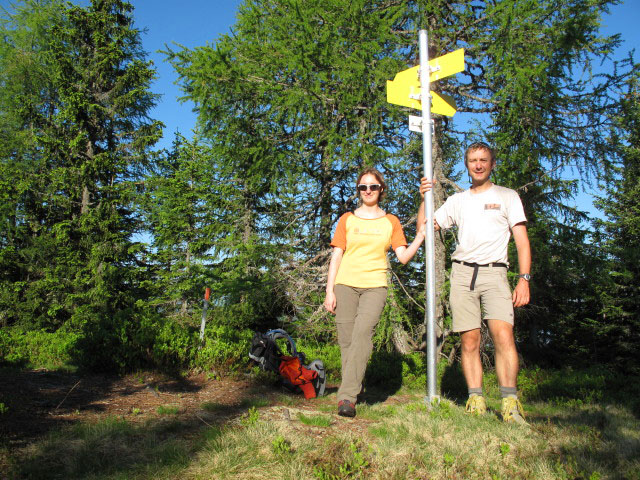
{"type": "Point", "coordinates": [168, 410]}
{"type": "Point", "coordinates": [215, 407]}
{"type": "Point", "coordinates": [287, 399]}
{"type": "Point", "coordinates": [263, 449]}
{"type": "Point", "coordinates": [406, 441]}
{"type": "Point", "coordinates": [400, 438]}
{"type": "Point", "coordinates": [327, 407]}
{"type": "Point", "coordinates": [314, 420]}
{"type": "Point", "coordinates": [343, 459]}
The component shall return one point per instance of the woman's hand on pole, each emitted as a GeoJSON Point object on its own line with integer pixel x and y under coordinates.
{"type": "Point", "coordinates": [426, 185]}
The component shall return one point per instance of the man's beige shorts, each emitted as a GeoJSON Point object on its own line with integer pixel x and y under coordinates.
{"type": "Point", "coordinates": [490, 299]}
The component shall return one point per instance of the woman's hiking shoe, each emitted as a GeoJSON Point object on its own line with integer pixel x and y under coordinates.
{"type": "Point", "coordinates": [476, 405]}
{"type": "Point", "coordinates": [346, 408]}
{"type": "Point", "coordinates": [512, 411]}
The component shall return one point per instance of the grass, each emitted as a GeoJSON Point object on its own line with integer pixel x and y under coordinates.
{"type": "Point", "coordinates": [597, 438]}
{"type": "Point", "coordinates": [168, 410]}
{"type": "Point", "coordinates": [112, 448]}
{"type": "Point", "coordinates": [314, 420]}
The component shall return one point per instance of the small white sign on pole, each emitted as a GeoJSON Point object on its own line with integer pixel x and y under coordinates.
{"type": "Point", "coordinates": [415, 123]}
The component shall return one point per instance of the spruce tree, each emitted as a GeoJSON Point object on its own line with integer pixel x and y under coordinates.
{"type": "Point", "coordinates": [182, 222]}
{"type": "Point", "coordinates": [616, 330]}
{"type": "Point", "coordinates": [87, 138]}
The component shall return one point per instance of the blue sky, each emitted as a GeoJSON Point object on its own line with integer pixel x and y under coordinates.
{"type": "Point", "coordinates": [191, 23]}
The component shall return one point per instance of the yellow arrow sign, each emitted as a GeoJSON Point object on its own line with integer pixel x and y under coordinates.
{"type": "Point", "coordinates": [446, 65]}
{"type": "Point", "coordinates": [441, 103]}
{"type": "Point", "coordinates": [404, 89]}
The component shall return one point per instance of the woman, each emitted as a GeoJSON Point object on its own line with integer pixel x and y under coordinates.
{"type": "Point", "coordinates": [357, 279]}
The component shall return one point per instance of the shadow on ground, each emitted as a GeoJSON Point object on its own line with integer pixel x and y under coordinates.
{"type": "Point", "coordinates": [383, 377]}
{"type": "Point", "coordinates": [453, 385]}
{"type": "Point", "coordinates": [74, 424]}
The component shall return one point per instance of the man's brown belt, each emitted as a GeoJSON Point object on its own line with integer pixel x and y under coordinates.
{"type": "Point", "coordinates": [476, 266]}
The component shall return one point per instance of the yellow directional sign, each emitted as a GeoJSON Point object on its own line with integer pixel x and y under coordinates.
{"type": "Point", "coordinates": [446, 65]}
{"type": "Point", "coordinates": [405, 90]}
{"type": "Point", "coordinates": [443, 104]}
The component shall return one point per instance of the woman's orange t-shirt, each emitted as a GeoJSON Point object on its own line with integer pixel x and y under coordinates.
{"type": "Point", "coordinates": [365, 243]}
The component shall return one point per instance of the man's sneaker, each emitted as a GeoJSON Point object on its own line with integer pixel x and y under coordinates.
{"type": "Point", "coordinates": [476, 405]}
{"type": "Point", "coordinates": [346, 408]}
{"type": "Point", "coordinates": [512, 411]}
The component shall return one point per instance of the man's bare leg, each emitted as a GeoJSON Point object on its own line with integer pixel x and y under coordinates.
{"type": "Point", "coordinates": [471, 364]}
{"type": "Point", "coordinates": [506, 353]}
{"type": "Point", "coordinates": [507, 370]}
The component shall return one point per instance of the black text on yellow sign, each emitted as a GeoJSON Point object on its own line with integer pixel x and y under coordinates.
{"type": "Point", "coordinates": [405, 90]}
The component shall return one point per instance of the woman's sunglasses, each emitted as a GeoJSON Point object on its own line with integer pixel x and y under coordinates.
{"type": "Point", "coordinates": [374, 187]}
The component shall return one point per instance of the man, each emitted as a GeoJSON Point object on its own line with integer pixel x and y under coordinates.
{"type": "Point", "coordinates": [485, 215]}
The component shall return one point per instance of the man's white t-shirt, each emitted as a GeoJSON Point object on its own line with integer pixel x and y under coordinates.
{"type": "Point", "coordinates": [484, 222]}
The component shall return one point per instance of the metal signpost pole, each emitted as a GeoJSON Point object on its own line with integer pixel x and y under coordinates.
{"type": "Point", "coordinates": [402, 90]}
{"type": "Point", "coordinates": [203, 323]}
{"type": "Point", "coordinates": [425, 88]}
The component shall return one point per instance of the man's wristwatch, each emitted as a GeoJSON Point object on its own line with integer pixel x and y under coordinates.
{"type": "Point", "coordinates": [526, 276]}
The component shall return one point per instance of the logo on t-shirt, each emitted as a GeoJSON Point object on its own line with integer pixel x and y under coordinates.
{"type": "Point", "coordinates": [367, 231]}
{"type": "Point", "coordinates": [492, 206]}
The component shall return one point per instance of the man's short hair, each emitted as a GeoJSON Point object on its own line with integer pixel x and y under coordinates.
{"type": "Point", "coordinates": [479, 146]}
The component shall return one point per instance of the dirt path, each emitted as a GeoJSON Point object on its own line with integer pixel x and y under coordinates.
{"type": "Point", "coordinates": [38, 401]}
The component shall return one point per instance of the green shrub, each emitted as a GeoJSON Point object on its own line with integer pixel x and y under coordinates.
{"type": "Point", "coordinates": [281, 446]}
{"type": "Point", "coordinates": [384, 368]}
{"type": "Point", "coordinates": [120, 342]}
{"type": "Point", "coordinates": [168, 410]}
{"type": "Point", "coordinates": [38, 348]}
{"type": "Point", "coordinates": [392, 370]}
{"type": "Point", "coordinates": [225, 348]}
{"type": "Point", "coordinates": [564, 384]}
{"type": "Point", "coordinates": [127, 341]}
{"type": "Point", "coordinates": [174, 344]}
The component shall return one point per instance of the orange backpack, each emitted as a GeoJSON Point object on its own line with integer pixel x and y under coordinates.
{"type": "Point", "coordinates": [298, 375]}
{"type": "Point", "coordinates": [310, 379]}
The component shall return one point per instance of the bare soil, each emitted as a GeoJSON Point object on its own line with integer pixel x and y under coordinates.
{"type": "Point", "coordinates": [38, 402]}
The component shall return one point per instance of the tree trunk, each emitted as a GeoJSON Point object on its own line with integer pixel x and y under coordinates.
{"type": "Point", "coordinates": [401, 340]}
{"type": "Point", "coordinates": [85, 200]}
{"type": "Point", "coordinates": [185, 301]}
{"type": "Point", "coordinates": [439, 250]}
{"type": "Point", "coordinates": [326, 210]}
{"type": "Point", "coordinates": [247, 216]}
{"type": "Point", "coordinates": [85, 189]}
